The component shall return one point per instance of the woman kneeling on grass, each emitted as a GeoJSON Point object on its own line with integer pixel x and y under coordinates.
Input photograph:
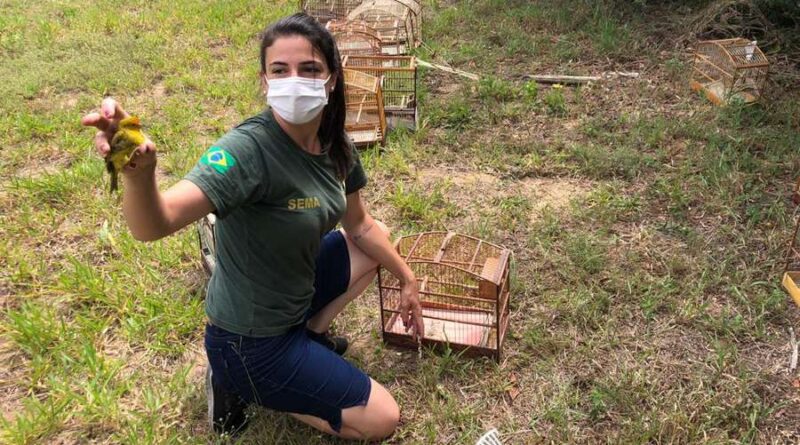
{"type": "Point", "coordinates": [279, 183]}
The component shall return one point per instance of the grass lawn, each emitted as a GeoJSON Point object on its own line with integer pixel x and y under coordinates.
{"type": "Point", "coordinates": [649, 228]}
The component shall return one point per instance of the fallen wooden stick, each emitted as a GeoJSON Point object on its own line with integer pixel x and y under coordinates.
{"type": "Point", "coordinates": [793, 343]}
{"type": "Point", "coordinates": [628, 74]}
{"type": "Point", "coordinates": [566, 80]}
{"type": "Point", "coordinates": [448, 69]}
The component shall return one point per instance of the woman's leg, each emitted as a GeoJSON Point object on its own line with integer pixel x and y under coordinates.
{"type": "Point", "coordinates": [380, 416]}
{"type": "Point", "coordinates": [376, 420]}
{"type": "Point", "coordinates": [362, 271]}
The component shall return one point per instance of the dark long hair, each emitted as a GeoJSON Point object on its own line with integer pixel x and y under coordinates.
{"type": "Point", "coordinates": [331, 131]}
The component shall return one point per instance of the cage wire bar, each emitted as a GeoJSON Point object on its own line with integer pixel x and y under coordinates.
{"type": "Point", "coordinates": [326, 10]}
{"type": "Point", "coordinates": [796, 194]}
{"type": "Point", "coordinates": [464, 286]}
{"type": "Point", "coordinates": [394, 21]}
{"type": "Point", "coordinates": [791, 272]}
{"type": "Point", "coordinates": [729, 69]}
{"type": "Point", "coordinates": [355, 38]}
{"type": "Point", "coordinates": [208, 242]}
{"type": "Point", "coordinates": [415, 8]}
{"type": "Point", "coordinates": [366, 120]}
{"type": "Point", "coordinates": [399, 85]}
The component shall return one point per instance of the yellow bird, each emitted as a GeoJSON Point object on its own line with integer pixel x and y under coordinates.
{"type": "Point", "coordinates": [124, 143]}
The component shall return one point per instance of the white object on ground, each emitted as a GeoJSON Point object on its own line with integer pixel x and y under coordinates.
{"type": "Point", "coordinates": [490, 438]}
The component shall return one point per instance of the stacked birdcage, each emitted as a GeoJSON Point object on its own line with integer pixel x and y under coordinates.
{"type": "Point", "coordinates": [366, 120]}
{"type": "Point", "coordinates": [397, 22]}
{"type": "Point", "coordinates": [730, 70]}
{"type": "Point", "coordinates": [464, 285]}
{"type": "Point", "coordinates": [399, 85]}
{"type": "Point", "coordinates": [326, 10]}
{"type": "Point", "coordinates": [354, 38]}
{"type": "Point", "coordinates": [364, 28]}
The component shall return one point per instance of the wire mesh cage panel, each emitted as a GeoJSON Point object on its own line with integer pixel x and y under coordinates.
{"type": "Point", "coordinates": [208, 242]}
{"type": "Point", "coordinates": [415, 7]}
{"type": "Point", "coordinates": [463, 290]}
{"type": "Point", "coordinates": [366, 121]}
{"type": "Point", "coordinates": [394, 21]}
{"type": "Point", "coordinates": [796, 194]}
{"type": "Point", "coordinates": [791, 274]}
{"type": "Point", "coordinates": [729, 70]}
{"type": "Point", "coordinates": [325, 10]}
{"type": "Point", "coordinates": [399, 85]}
{"type": "Point", "coordinates": [354, 38]}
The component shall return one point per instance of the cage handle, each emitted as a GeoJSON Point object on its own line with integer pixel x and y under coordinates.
{"type": "Point", "coordinates": [443, 247]}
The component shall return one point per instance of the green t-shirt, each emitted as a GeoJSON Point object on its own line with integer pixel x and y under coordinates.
{"type": "Point", "coordinates": [274, 203]}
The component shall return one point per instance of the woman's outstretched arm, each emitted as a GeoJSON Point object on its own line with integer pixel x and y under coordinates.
{"type": "Point", "coordinates": [150, 214]}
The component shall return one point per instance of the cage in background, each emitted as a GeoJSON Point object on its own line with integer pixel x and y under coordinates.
{"type": "Point", "coordinates": [399, 86]}
{"type": "Point", "coordinates": [415, 7]}
{"type": "Point", "coordinates": [354, 38]}
{"type": "Point", "coordinates": [395, 22]}
{"type": "Point", "coordinates": [326, 10]}
{"type": "Point", "coordinates": [791, 272]}
{"type": "Point", "coordinates": [366, 121]}
{"type": "Point", "coordinates": [463, 290]}
{"type": "Point", "coordinates": [796, 194]}
{"type": "Point", "coordinates": [729, 70]}
{"type": "Point", "coordinates": [208, 242]}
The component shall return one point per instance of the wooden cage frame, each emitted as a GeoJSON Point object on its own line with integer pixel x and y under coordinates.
{"type": "Point", "coordinates": [791, 271]}
{"type": "Point", "coordinates": [729, 69]}
{"type": "Point", "coordinates": [399, 85]}
{"type": "Point", "coordinates": [326, 10]}
{"type": "Point", "coordinates": [354, 38]}
{"type": "Point", "coordinates": [206, 235]}
{"type": "Point", "coordinates": [366, 120]}
{"type": "Point", "coordinates": [464, 291]}
{"type": "Point", "coordinates": [415, 6]}
{"type": "Point", "coordinates": [395, 22]}
{"type": "Point", "coordinates": [796, 194]}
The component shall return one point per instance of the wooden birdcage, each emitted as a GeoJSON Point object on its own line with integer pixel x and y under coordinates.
{"type": "Point", "coordinates": [796, 194]}
{"type": "Point", "coordinates": [395, 22]}
{"type": "Point", "coordinates": [415, 6]}
{"type": "Point", "coordinates": [463, 290]}
{"type": "Point", "coordinates": [354, 38]}
{"type": "Point", "coordinates": [208, 242]}
{"type": "Point", "coordinates": [326, 10]}
{"type": "Point", "coordinates": [399, 85]}
{"type": "Point", "coordinates": [366, 121]}
{"type": "Point", "coordinates": [791, 273]}
{"type": "Point", "coordinates": [729, 70]}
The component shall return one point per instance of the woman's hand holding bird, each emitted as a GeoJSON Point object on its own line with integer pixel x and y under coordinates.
{"type": "Point", "coordinates": [107, 122]}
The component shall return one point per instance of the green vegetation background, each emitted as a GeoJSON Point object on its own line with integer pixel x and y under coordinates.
{"type": "Point", "coordinates": [649, 227]}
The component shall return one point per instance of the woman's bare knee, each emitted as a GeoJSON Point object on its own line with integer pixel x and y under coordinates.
{"type": "Point", "coordinates": [377, 420]}
{"type": "Point", "coordinates": [388, 421]}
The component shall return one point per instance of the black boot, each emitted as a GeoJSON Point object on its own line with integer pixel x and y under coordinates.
{"type": "Point", "coordinates": [226, 411]}
{"type": "Point", "coordinates": [335, 344]}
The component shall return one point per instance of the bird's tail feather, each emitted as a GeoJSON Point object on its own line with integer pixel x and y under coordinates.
{"type": "Point", "coordinates": [113, 181]}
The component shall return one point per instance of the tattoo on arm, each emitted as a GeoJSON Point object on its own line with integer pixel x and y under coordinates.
{"type": "Point", "coordinates": [360, 235]}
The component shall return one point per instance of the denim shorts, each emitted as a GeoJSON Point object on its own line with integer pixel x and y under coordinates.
{"type": "Point", "coordinates": [290, 372]}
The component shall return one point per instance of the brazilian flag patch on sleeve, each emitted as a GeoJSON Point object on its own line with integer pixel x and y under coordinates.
{"type": "Point", "coordinates": [218, 159]}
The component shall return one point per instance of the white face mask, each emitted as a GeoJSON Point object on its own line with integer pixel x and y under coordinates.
{"type": "Point", "coordinates": [296, 99]}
